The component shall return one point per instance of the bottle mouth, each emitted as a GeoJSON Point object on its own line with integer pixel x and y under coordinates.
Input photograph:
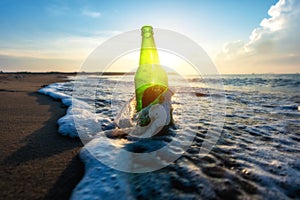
{"type": "Point", "coordinates": [147, 31]}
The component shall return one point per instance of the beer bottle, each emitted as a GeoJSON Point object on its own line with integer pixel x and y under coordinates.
{"type": "Point", "coordinates": [150, 79]}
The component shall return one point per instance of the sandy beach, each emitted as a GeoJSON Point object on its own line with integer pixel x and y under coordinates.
{"type": "Point", "coordinates": [36, 161]}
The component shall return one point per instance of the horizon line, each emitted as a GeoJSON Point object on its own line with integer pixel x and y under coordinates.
{"type": "Point", "coordinates": [127, 73]}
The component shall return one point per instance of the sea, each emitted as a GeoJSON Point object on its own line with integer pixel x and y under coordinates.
{"type": "Point", "coordinates": [232, 137]}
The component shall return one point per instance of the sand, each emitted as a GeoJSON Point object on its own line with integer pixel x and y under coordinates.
{"type": "Point", "coordinates": [36, 161]}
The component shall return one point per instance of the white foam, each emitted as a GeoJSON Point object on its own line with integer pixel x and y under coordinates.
{"type": "Point", "coordinates": [52, 91]}
{"type": "Point", "coordinates": [100, 181]}
{"type": "Point", "coordinates": [256, 156]}
{"type": "Point", "coordinates": [78, 111]}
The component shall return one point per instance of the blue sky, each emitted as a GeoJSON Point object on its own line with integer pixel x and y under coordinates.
{"type": "Point", "coordinates": [59, 35]}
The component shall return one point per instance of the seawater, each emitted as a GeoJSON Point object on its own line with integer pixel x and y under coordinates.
{"type": "Point", "coordinates": [257, 154]}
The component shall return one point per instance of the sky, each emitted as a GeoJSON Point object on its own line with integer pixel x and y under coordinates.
{"type": "Point", "coordinates": [245, 36]}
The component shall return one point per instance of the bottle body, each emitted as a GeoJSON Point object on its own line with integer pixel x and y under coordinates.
{"type": "Point", "coordinates": [150, 79]}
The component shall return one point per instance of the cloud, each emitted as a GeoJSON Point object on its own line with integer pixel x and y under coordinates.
{"type": "Point", "coordinates": [60, 47]}
{"type": "Point", "coordinates": [13, 64]}
{"type": "Point", "coordinates": [60, 52]}
{"type": "Point", "coordinates": [90, 13]}
{"type": "Point", "coordinates": [56, 46]}
{"type": "Point", "coordinates": [272, 47]}
{"type": "Point", "coordinates": [55, 54]}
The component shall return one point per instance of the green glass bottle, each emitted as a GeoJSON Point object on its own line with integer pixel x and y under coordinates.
{"type": "Point", "coordinates": [150, 79]}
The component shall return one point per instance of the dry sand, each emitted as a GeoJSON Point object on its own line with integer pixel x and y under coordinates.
{"type": "Point", "coordinates": [36, 161]}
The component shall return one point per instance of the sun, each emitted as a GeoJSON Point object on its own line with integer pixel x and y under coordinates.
{"type": "Point", "coordinates": [176, 63]}
{"type": "Point", "coordinates": [170, 61]}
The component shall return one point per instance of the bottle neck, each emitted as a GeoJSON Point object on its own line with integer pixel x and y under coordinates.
{"type": "Point", "coordinates": [148, 53]}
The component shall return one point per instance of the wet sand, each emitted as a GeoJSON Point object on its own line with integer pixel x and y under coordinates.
{"type": "Point", "coordinates": [36, 161]}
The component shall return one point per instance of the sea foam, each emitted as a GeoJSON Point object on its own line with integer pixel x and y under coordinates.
{"type": "Point", "coordinates": [256, 157]}
{"type": "Point", "coordinates": [78, 111]}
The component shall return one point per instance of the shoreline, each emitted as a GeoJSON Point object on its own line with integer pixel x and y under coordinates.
{"type": "Point", "coordinates": [36, 161]}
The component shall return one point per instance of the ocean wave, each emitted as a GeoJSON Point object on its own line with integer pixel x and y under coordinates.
{"type": "Point", "coordinates": [256, 156]}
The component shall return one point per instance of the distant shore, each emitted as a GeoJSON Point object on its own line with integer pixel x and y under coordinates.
{"type": "Point", "coordinates": [73, 73]}
{"type": "Point", "coordinates": [132, 73]}
{"type": "Point", "coordinates": [36, 161]}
